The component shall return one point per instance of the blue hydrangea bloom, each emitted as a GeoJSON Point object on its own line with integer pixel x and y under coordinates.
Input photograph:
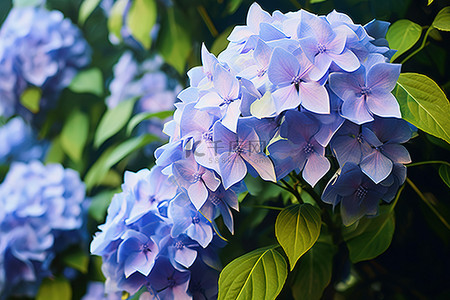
{"type": "Point", "coordinates": [375, 146]}
{"type": "Point", "coordinates": [153, 229]}
{"type": "Point", "coordinates": [38, 48]}
{"type": "Point", "coordinates": [356, 193]}
{"type": "Point", "coordinates": [18, 142]}
{"type": "Point", "coordinates": [286, 86]}
{"type": "Point", "coordinates": [155, 90]}
{"type": "Point", "coordinates": [43, 210]}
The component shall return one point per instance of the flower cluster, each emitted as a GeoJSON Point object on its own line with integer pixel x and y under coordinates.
{"type": "Point", "coordinates": [18, 142]}
{"type": "Point", "coordinates": [155, 90]}
{"type": "Point", "coordinates": [38, 48]}
{"type": "Point", "coordinates": [287, 87]}
{"type": "Point", "coordinates": [41, 214]}
{"type": "Point", "coordinates": [155, 238]}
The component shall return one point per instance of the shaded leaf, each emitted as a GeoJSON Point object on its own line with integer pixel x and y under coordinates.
{"type": "Point", "coordinates": [442, 20]}
{"type": "Point", "coordinates": [423, 104]}
{"type": "Point", "coordinates": [174, 41]}
{"type": "Point", "coordinates": [402, 35]}
{"type": "Point", "coordinates": [233, 5]}
{"type": "Point", "coordinates": [55, 154]}
{"type": "Point", "coordinates": [31, 99]}
{"type": "Point", "coordinates": [444, 172]}
{"type": "Point", "coordinates": [88, 81]}
{"type": "Point", "coordinates": [297, 228]}
{"type": "Point", "coordinates": [113, 155]}
{"type": "Point", "coordinates": [113, 120]}
{"type": "Point", "coordinates": [259, 274]}
{"type": "Point", "coordinates": [55, 289]}
{"type": "Point", "coordinates": [86, 9]}
{"type": "Point", "coordinates": [137, 119]}
{"type": "Point", "coordinates": [370, 237]}
{"type": "Point", "coordinates": [313, 272]}
{"type": "Point", "coordinates": [99, 205]}
{"type": "Point", "coordinates": [221, 42]}
{"type": "Point", "coordinates": [74, 134]}
{"type": "Point", "coordinates": [78, 260]}
{"type": "Point", "coordinates": [141, 19]}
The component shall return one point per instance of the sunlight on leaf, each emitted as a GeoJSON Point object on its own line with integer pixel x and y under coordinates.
{"type": "Point", "coordinates": [297, 228]}
{"type": "Point", "coordinates": [423, 104]}
{"type": "Point", "coordinates": [86, 9]}
{"type": "Point", "coordinates": [442, 20]}
{"type": "Point", "coordinates": [259, 274]}
{"type": "Point", "coordinates": [402, 35]}
{"type": "Point", "coordinates": [141, 19]}
{"type": "Point", "coordinates": [55, 289]}
{"type": "Point", "coordinates": [113, 120]}
{"type": "Point", "coordinates": [31, 99]}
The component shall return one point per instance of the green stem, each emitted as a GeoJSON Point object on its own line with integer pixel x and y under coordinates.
{"type": "Point", "coordinates": [429, 162]}
{"type": "Point", "coordinates": [282, 187]}
{"type": "Point", "coordinates": [204, 14]}
{"type": "Point", "coordinates": [421, 46]}
{"type": "Point", "coordinates": [428, 203]}
{"type": "Point", "coordinates": [293, 190]}
{"type": "Point", "coordinates": [400, 190]}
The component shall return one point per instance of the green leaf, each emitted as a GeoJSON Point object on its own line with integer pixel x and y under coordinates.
{"type": "Point", "coordinates": [55, 289]}
{"type": "Point", "coordinates": [259, 274]}
{"type": "Point", "coordinates": [137, 119]}
{"type": "Point", "coordinates": [31, 99]}
{"type": "Point", "coordinates": [174, 41]}
{"type": "Point", "coordinates": [56, 153]}
{"type": "Point", "coordinates": [444, 172]}
{"type": "Point", "coordinates": [233, 5]}
{"type": "Point", "coordinates": [99, 205]}
{"type": "Point", "coordinates": [317, 1]}
{"type": "Point", "coordinates": [115, 20]}
{"type": "Point", "coordinates": [113, 155]}
{"type": "Point", "coordinates": [423, 104]}
{"type": "Point", "coordinates": [141, 19]}
{"type": "Point", "coordinates": [442, 20]}
{"type": "Point", "coordinates": [313, 272]}
{"type": "Point", "coordinates": [402, 35]}
{"type": "Point", "coordinates": [221, 42]}
{"type": "Point", "coordinates": [88, 81]}
{"type": "Point", "coordinates": [74, 134]}
{"type": "Point", "coordinates": [113, 121]}
{"type": "Point", "coordinates": [86, 9]}
{"type": "Point", "coordinates": [78, 260]}
{"type": "Point", "coordinates": [371, 236]}
{"type": "Point", "coordinates": [297, 228]}
{"type": "Point", "coordinates": [429, 2]}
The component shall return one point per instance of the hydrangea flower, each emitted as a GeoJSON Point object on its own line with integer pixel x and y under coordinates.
{"type": "Point", "coordinates": [155, 90]}
{"type": "Point", "coordinates": [38, 48]}
{"type": "Point", "coordinates": [151, 230]}
{"type": "Point", "coordinates": [286, 86]}
{"type": "Point", "coordinates": [18, 142]}
{"type": "Point", "coordinates": [43, 210]}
